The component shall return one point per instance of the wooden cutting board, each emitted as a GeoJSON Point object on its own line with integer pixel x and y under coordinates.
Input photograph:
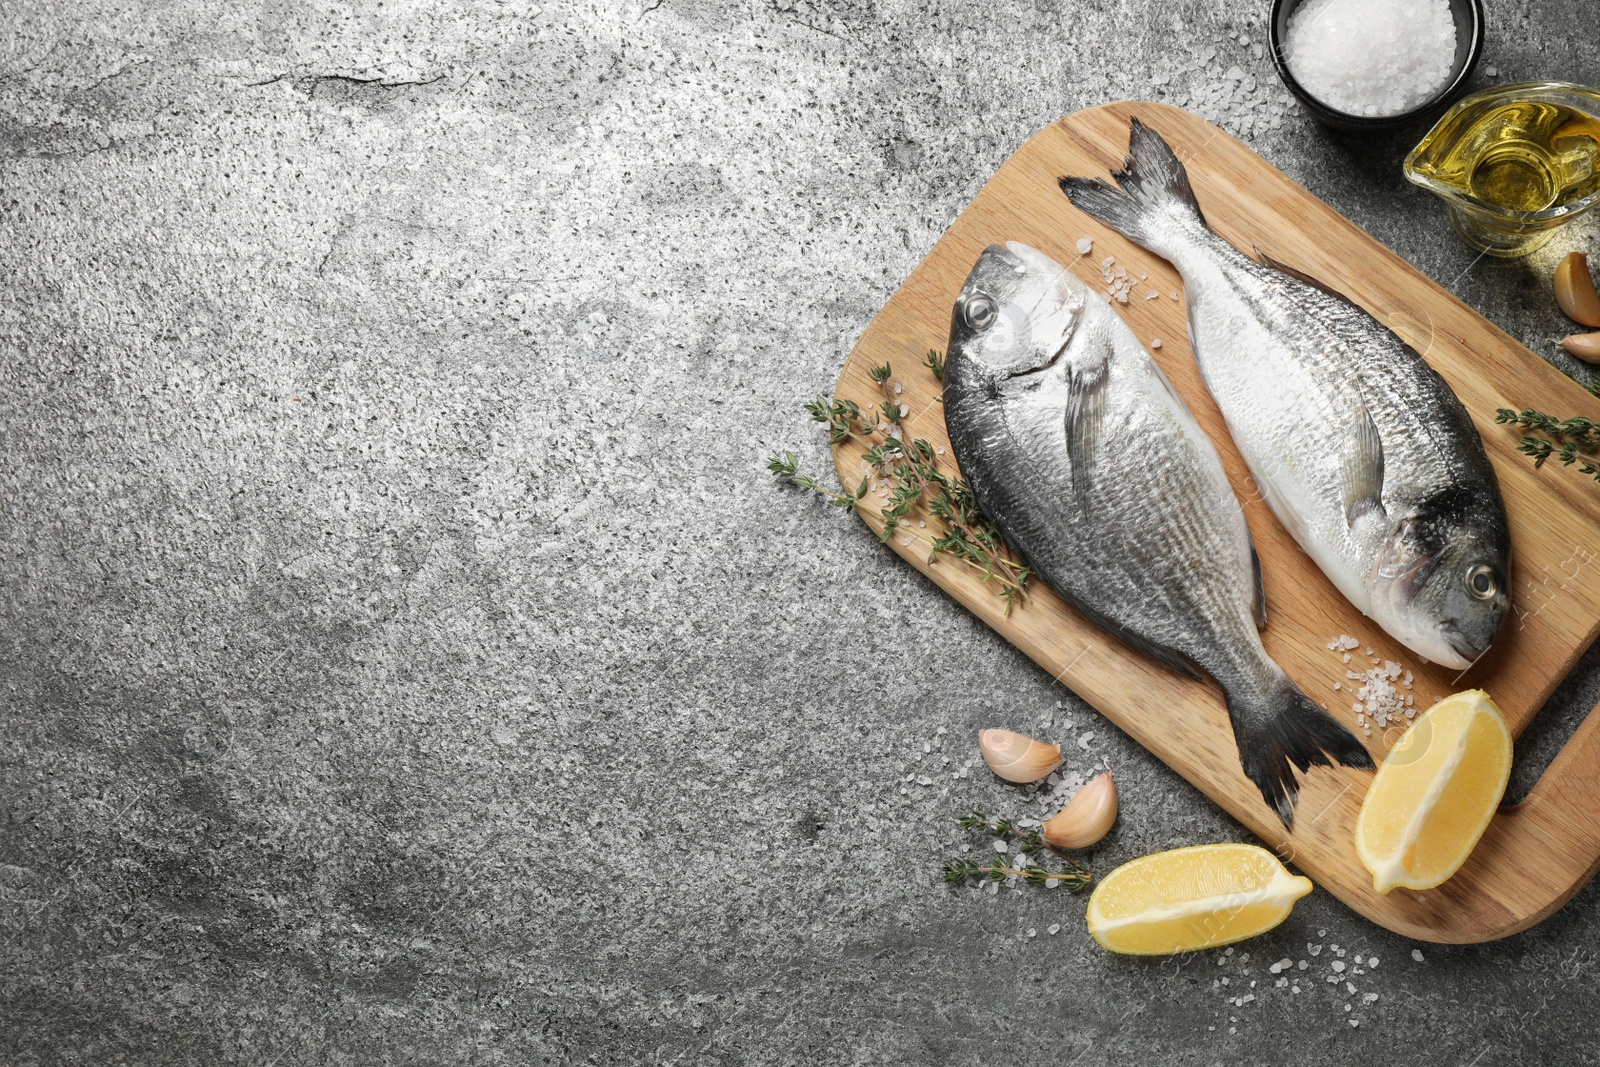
{"type": "Point", "coordinates": [1535, 855]}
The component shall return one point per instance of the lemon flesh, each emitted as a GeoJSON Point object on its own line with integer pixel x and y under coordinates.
{"type": "Point", "coordinates": [1192, 898]}
{"type": "Point", "coordinates": [1435, 793]}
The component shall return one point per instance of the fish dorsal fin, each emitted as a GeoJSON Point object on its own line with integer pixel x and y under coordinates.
{"type": "Point", "coordinates": [1362, 463]}
{"type": "Point", "coordinates": [1086, 396]}
{"type": "Point", "coordinates": [1259, 605]}
{"type": "Point", "coordinates": [1301, 276]}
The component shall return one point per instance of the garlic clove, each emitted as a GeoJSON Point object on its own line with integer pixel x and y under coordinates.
{"type": "Point", "coordinates": [1087, 817]}
{"type": "Point", "coordinates": [1586, 346]}
{"type": "Point", "coordinates": [1575, 290]}
{"type": "Point", "coordinates": [1017, 757]}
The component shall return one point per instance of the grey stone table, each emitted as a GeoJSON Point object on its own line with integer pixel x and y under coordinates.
{"type": "Point", "coordinates": [407, 658]}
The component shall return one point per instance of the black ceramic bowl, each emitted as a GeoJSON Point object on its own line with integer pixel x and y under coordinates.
{"type": "Point", "coordinates": [1469, 47]}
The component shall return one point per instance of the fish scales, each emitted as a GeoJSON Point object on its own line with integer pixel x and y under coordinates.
{"type": "Point", "coordinates": [1077, 447]}
{"type": "Point", "coordinates": [1358, 446]}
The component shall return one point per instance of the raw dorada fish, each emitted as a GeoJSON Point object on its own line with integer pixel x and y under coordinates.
{"type": "Point", "coordinates": [1076, 446]}
{"type": "Point", "coordinates": [1359, 447]}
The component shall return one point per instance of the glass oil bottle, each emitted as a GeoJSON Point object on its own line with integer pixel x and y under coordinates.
{"type": "Point", "coordinates": [1513, 163]}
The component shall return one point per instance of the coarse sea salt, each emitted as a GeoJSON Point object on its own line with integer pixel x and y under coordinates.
{"type": "Point", "coordinates": [1371, 57]}
{"type": "Point", "coordinates": [1378, 690]}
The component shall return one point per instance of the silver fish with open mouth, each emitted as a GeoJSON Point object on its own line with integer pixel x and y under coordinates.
{"type": "Point", "coordinates": [1359, 447]}
{"type": "Point", "coordinates": [1076, 446]}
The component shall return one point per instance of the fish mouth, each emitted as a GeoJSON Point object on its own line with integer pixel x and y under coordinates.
{"type": "Point", "coordinates": [1470, 653]}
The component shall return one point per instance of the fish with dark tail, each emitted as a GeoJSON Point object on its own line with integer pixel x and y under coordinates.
{"type": "Point", "coordinates": [1360, 448]}
{"type": "Point", "coordinates": [1076, 446]}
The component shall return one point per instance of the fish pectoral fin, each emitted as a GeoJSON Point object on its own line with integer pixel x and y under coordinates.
{"type": "Point", "coordinates": [1086, 405]}
{"type": "Point", "coordinates": [1363, 469]}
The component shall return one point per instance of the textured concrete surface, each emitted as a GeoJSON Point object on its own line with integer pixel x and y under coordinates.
{"type": "Point", "coordinates": [406, 658]}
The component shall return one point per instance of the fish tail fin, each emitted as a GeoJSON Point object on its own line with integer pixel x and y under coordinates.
{"type": "Point", "coordinates": [1152, 194]}
{"type": "Point", "coordinates": [1287, 732]}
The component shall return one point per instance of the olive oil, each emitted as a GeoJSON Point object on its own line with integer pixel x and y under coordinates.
{"type": "Point", "coordinates": [1514, 163]}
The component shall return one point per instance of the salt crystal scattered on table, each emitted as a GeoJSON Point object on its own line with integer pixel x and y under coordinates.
{"type": "Point", "coordinates": [1156, 343]}
{"type": "Point", "coordinates": [1085, 246]}
{"type": "Point", "coordinates": [1416, 954]}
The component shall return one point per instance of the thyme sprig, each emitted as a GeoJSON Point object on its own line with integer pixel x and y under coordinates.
{"type": "Point", "coordinates": [1574, 440]}
{"type": "Point", "coordinates": [1031, 841]}
{"type": "Point", "coordinates": [787, 468]}
{"type": "Point", "coordinates": [844, 418]}
{"type": "Point", "coordinates": [1030, 844]}
{"type": "Point", "coordinates": [919, 488]}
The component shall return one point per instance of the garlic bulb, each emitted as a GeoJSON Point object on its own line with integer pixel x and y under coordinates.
{"type": "Point", "coordinates": [1575, 290]}
{"type": "Point", "coordinates": [1087, 817]}
{"type": "Point", "coordinates": [1017, 757]}
{"type": "Point", "coordinates": [1586, 346]}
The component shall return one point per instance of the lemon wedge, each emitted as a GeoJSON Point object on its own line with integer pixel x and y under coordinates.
{"type": "Point", "coordinates": [1435, 793]}
{"type": "Point", "coordinates": [1192, 898]}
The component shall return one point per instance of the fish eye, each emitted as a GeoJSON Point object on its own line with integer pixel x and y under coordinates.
{"type": "Point", "coordinates": [1481, 581]}
{"type": "Point", "coordinates": [979, 312]}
